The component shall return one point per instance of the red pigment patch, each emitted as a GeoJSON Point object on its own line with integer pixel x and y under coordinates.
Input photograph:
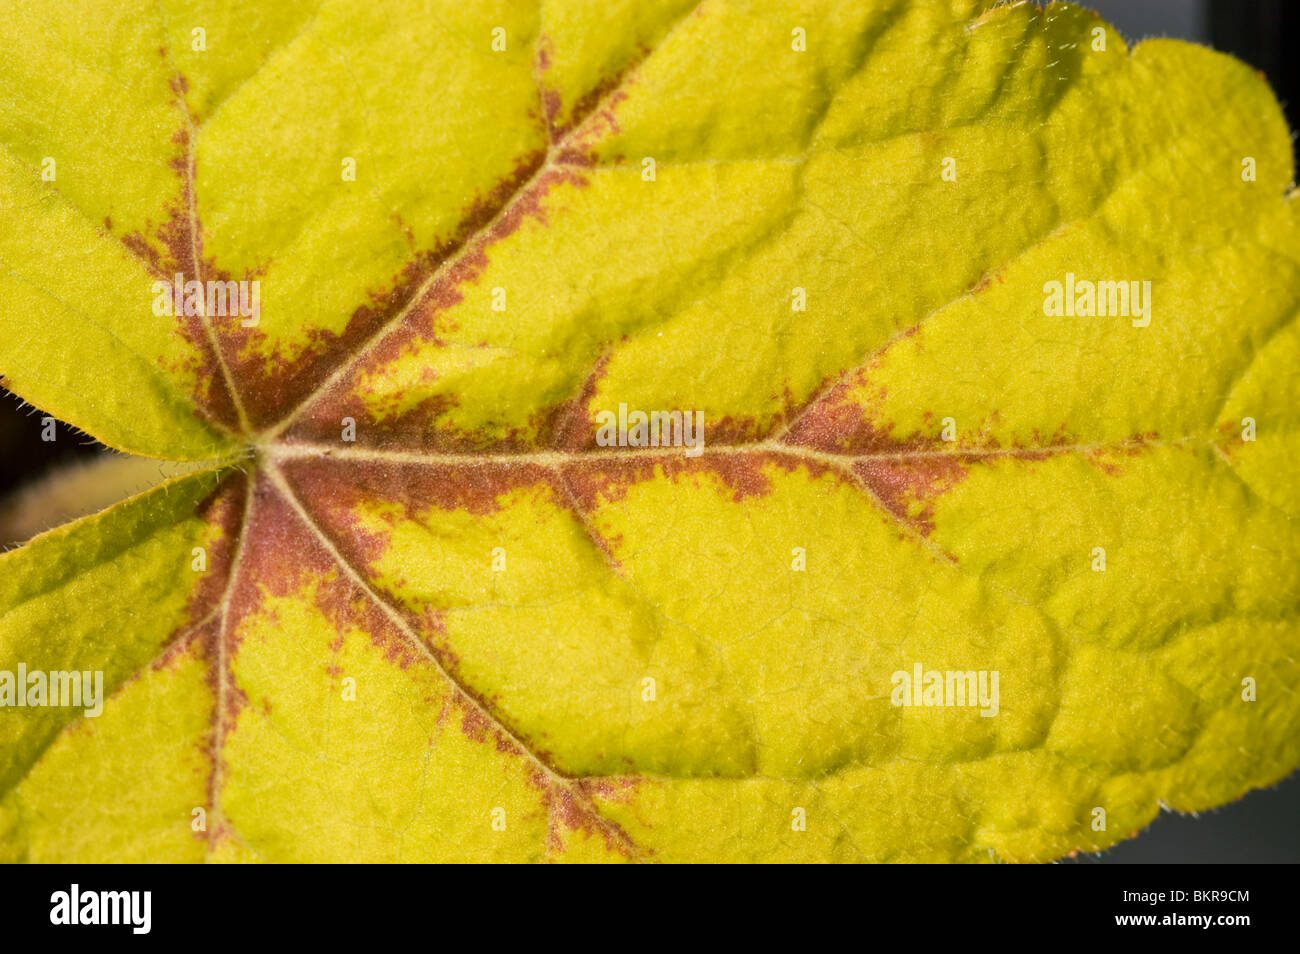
{"type": "Point", "coordinates": [333, 491]}
{"type": "Point", "coordinates": [593, 124]}
{"type": "Point", "coordinates": [227, 698]}
{"type": "Point", "coordinates": [584, 112]}
{"type": "Point", "coordinates": [986, 281]}
{"type": "Point", "coordinates": [845, 419]}
{"type": "Point", "coordinates": [607, 480]}
{"type": "Point", "coordinates": [330, 491]}
{"type": "Point", "coordinates": [907, 475]}
{"type": "Point", "coordinates": [282, 557]}
{"type": "Point", "coordinates": [224, 507]}
{"type": "Point", "coordinates": [221, 679]}
{"type": "Point", "coordinates": [907, 488]}
{"type": "Point", "coordinates": [480, 724]}
{"type": "Point", "coordinates": [551, 110]}
{"type": "Point", "coordinates": [834, 423]}
{"type": "Point", "coordinates": [618, 789]}
{"type": "Point", "coordinates": [735, 431]}
{"type": "Point", "coordinates": [570, 806]}
{"type": "Point", "coordinates": [174, 248]}
{"type": "Point", "coordinates": [432, 621]}
{"type": "Point", "coordinates": [331, 488]}
{"type": "Point", "coordinates": [199, 633]}
{"type": "Point", "coordinates": [586, 485]}
{"type": "Point", "coordinates": [519, 200]}
{"type": "Point", "coordinates": [488, 219]}
{"type": "Point", "coordinates": [271, 383]}
{"type": "Point", "coordinates": [478, 727]}
{"type": "Point", "coordinates": [1102, 457]}
{"type": "Point", "coordinates": [570, 427]}
{"type": "Point", "coordinates": [548, 97]}
{"type": "Point", "coordinates": [604, 542]}
{"type": "Point", "coordinates": [908, 485]}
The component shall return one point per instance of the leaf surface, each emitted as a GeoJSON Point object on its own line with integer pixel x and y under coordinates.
{"type": "Point", "coordinates": [474, 632]}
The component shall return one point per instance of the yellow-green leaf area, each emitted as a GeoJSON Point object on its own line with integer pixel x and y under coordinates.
{"type": "Point", "coordinates": [986, 547]}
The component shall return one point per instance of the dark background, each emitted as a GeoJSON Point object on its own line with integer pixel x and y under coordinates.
{"type": "Point", "coordinates": [1263, 826]}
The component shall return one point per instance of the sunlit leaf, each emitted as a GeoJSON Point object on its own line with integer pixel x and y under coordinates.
{"type": "Point", "coordinates": [415, 607]}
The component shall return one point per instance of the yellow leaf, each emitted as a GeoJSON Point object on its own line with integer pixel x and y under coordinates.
{"type": "Point", "coordinates": [639, 431]}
